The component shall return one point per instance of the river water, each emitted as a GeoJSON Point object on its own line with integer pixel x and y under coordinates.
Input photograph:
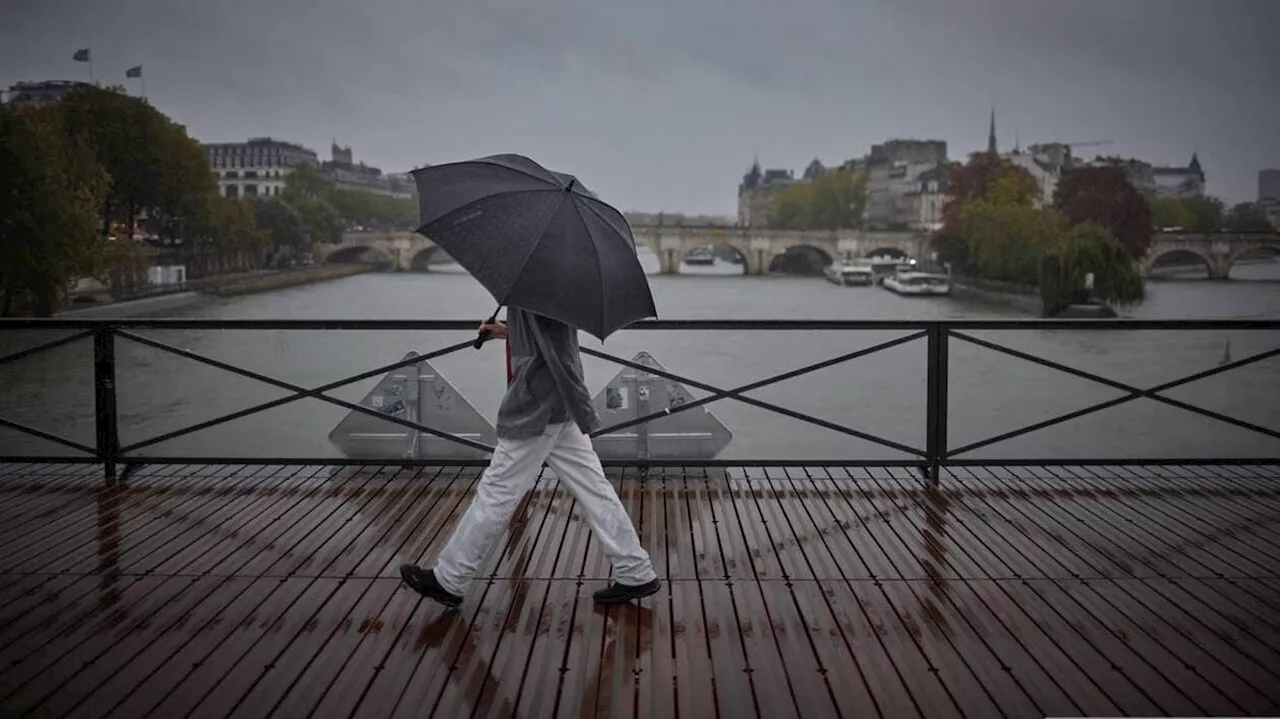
{"type": "Point", "coordinates": [882, 394]}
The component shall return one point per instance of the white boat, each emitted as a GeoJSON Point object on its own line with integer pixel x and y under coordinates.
{"type": "Point", "coordinates": [882, 267]}
{"type": "Point", "coordinates": [918, 284]}
{"type": "Point", "coordinates": [849, 275]}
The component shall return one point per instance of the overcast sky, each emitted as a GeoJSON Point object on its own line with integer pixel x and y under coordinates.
{"type": "Point", "coordinates": [661, 105]}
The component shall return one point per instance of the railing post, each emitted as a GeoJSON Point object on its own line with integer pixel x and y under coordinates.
{"type": "Point", "coordinates": [936, 400]}
{"type": "Point", "coordinates": [104, 393]}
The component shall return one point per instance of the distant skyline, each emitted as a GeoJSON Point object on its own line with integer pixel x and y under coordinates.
{"type": "Point", "coordinates": [662, 106]}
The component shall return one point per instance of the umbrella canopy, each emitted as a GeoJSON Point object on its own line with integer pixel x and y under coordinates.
{"type": "Point", "coordinates": [536, 239]}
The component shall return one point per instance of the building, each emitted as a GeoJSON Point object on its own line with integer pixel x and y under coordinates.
{"type": "Point", "coordinates": [1160, 181]}
{"type": "Point", "coordinates": [757, 192]}
{"type": "Point", "coordinates": [1045, 162]}
{"type": "Point", "coordinates": [1179, 182]}
{"type": "Point", "coordinates": [1268, 186]}
{"type": "Point", "coordinates": [257, 168]}
{"type": "Point", "coordinates": [927, 198]}
{"type": "Point", "coordinates": [40, 92]}
{"type": "Point", "coordinates": [344, 172]}
{"type": "Point", "coordinates": [894, 171]}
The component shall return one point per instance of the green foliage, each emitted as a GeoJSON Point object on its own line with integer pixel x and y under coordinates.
{"type": "Point", "coordinates": [1089, 248]}
{"type": "Point", "coordinates": [1006, 240]}
{"type": "Point", "coordinates": [321, 221]}
{"type": "Point", "coordinates": [1247, 217]}
{"type": "Point", "coordinates": [833, 201]}
{"type": "Point", "coordinates": [155, 168]}
{"type": "Point", "coordinates": [50, 192]}
{"type": "Point", "coordinates": [1106, 196]}
{"type": "Point", "coordinates": [984, 177]}
{"type": "Point", "coordinates": [993, 229]}
{"type": "Point", "coordinates": [1191, 214]}
{"type": "Point", "coordinates": [280, 223]}
{"type": "Point", "coordinates": [1171, 212]}
{"type": "Point", "coordinates": [326, 209]}
{"type": "Point", "coordinates": [1206, 213]}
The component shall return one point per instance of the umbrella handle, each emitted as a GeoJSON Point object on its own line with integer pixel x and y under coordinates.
{"type": "Point", "coordinates": [483, 335]}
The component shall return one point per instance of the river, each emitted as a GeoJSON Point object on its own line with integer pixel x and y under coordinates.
{"type": "Point", "coordinates": [882, 394]}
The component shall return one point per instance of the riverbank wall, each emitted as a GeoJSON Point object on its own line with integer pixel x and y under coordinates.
{"type": "Point", "coordinates": [1016, 297]}
{"type": "Point", "coordinates": [169, 298]}
{"type": "Point", "coordinates": [281, 280]}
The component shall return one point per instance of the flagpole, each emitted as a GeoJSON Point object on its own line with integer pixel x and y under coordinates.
{"type": "Point", "coordinates": [90, 66]}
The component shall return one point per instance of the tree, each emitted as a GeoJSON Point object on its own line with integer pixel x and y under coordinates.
{"type": "Point", "coordinates": [50, 192]}
{"type": "Point", "coordinates": [1247, 217]}
{"type": "Point", "coordinates": [983, 175]}
{"type": "Point", "coordinates": [281, 226]}
{"type": "Point", "coordinates": [1171, 212]}
{"type": "Point", "coordinates": [1006, 240]}
{"type": "Point", "coordinates": [1088, 249]}
{"type": "Point", "coordinates": [1106, 196]}
{"type": "Point", "coordinates": [155, 168]}
{"type": "Point", "coordinates": [1206, 213]}
{"type": "Point", "coordinates": [832, 201]}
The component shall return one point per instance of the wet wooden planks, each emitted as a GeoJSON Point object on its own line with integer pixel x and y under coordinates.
{"type": "Point", "coordinates": [273, 591]}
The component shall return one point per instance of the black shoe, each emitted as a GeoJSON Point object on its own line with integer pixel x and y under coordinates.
{"type": "Point", "coordinates": [622, 593]}
{"type": "Point", "coordinates": [424, 582]}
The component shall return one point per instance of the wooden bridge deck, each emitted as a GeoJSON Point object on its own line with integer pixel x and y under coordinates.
{"type": "Point", "coordinates": [255, 591]}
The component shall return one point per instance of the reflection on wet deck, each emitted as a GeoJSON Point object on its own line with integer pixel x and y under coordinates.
{"type": "Point", "coordinates": [255, 591]}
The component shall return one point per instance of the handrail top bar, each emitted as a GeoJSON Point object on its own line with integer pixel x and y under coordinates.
{"type": "Point", "coordinates": [651, 325]}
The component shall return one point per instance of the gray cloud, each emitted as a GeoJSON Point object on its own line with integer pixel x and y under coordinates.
{"type": "Point", "coordinates": [661, 105]}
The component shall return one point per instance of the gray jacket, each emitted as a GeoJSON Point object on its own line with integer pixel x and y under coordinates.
{"type": "Point", "coordinates": [547, 385]}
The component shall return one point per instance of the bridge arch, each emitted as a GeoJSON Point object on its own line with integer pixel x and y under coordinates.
{"type": "Point", "coordinates": [724, 256]}
{"type": "Point", "coordinates": [890, 251]}
{"type": "Point", "coordinates": [360, 255]}
{"type": "Point", "coordinates": [1258, 250]}
{"type": "Point", "coordinates": [423, 260]}
{"type": "Point", "coordinates": [1177, 260]}
{"type": "Point", "coordinates": [800, 259]}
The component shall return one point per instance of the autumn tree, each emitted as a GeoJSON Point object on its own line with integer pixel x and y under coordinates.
{"type": "Point", "coordinates": [50, 192]}
{"type": "Point", "coordinates": [1104, 195]}
{"type": "Point", "coordinates": [834, 200]}
{"type": "Point", "coordinates": [1005, 240]}
{"type": "Point", "coordinates": [984, 176]}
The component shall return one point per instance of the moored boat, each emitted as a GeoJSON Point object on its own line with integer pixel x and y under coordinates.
{"type": "Point", "coordinates": [917, 284]}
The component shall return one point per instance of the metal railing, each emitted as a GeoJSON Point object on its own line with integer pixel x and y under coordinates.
{"type": "Point", "coordinates": [937, 335]}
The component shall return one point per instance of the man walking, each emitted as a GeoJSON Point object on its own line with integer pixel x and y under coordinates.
{"type": "Point", "coordinates": [545, 416]}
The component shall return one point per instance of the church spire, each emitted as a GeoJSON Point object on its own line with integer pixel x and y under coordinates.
{"type": "Point", "coordinates": [991, 134]}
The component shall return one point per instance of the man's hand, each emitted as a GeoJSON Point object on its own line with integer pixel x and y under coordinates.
{"type": "Point", "coordinates": [497, 331]}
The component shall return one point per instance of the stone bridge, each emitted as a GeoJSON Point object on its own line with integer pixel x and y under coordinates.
{"type": "Point", "coordinates": [758, 248]}
{"type": "Point", "coordinates": [1219, 250]}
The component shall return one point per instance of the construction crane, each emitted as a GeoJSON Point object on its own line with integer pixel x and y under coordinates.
{"type": "Point", "coordinates": [1092, 143]}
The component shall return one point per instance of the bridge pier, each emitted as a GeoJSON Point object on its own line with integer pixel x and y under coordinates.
{"type": "Point", "coordinates": [669, 261]}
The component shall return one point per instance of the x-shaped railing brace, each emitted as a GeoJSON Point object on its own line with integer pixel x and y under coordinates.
{"type": "Point", "coordinates": [1133, 393]}
{"type": "Point", "coordinates": [738, 393]}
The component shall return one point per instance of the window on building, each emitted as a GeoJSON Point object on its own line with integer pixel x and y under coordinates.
{"type": "Point", "coordinates": [250, 190]}
{"type": "Point", "coordinates": [250, 174]}
{"type": "Point", "coordinates": [233, 191]}
{"type": "Point", "coordinates": [233, 175]}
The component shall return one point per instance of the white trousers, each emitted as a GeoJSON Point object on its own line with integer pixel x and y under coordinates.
{"type": "Point", "coordinates": [511, 473]}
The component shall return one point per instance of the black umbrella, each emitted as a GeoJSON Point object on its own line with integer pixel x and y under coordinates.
{"type": "Point", "coordinates": [536, 239]}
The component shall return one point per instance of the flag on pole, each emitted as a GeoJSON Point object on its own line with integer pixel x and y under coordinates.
{"type": "Point", "coordinates": [133, 72]}
{"type": "Point", "coordinates": [81, 55]}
